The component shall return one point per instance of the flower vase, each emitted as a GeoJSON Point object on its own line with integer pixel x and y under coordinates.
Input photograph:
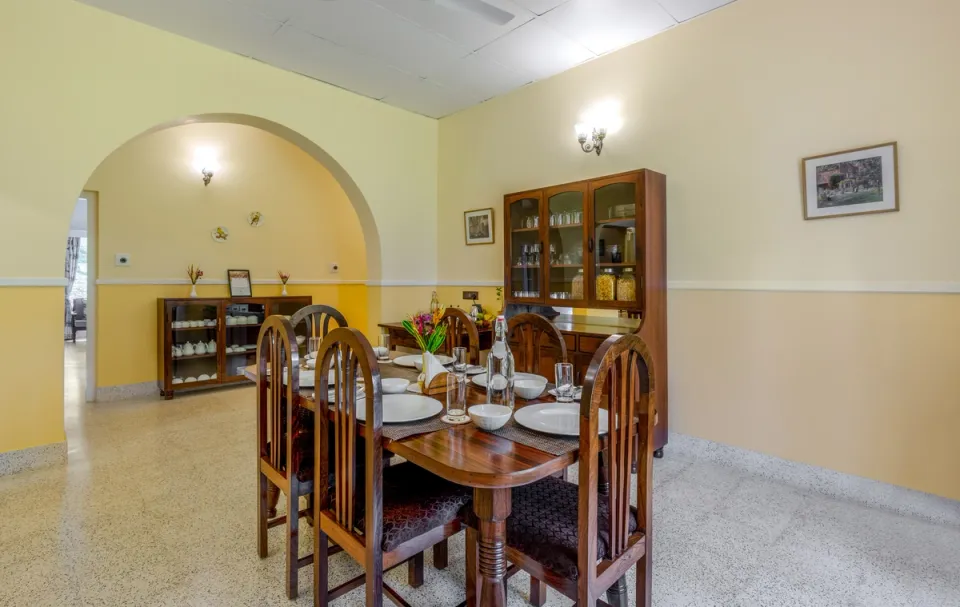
{"type": "Point", "coordinates": [193, 290]}
{"type": "Point", "coordinates": [284, 291]}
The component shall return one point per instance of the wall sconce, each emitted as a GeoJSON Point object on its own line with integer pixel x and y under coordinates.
{"type": "Point", "coordinates": [205, 161]}
{"type": "Point", "coordinates": [596, 136]}
{"type": "Point", "coordinates": [596, 123]}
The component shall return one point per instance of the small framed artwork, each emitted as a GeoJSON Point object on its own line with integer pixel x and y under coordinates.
{"type": "Point", "coordinates": [478, 226]}
{"type": "Point", "coordinates": [851, 182]}
{"type": "Point", "coordinates": [239, 281]}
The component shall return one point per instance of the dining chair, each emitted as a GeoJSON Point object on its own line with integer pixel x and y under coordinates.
{"type": "Point", "coordinates": [284, 441]}
{"type": "Point", "coordinates": [382, 517]}
{"type": "Point", "coordinates": [573, 538]}
{"type": "Point", "coordinates": [317, 318]}
{"type": "Point", "coordinates": [539, 344]}
{"type": "Point", "coordinates": [459, 324]}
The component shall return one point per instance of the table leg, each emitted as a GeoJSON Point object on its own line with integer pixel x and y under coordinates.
{"type": "Point", "coordinates": [492, 507]}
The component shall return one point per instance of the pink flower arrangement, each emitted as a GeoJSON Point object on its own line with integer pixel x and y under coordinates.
{"type": "Point", "coordinates": [195, 273]}
{"type": "Point", "coordinates": [284, 276]}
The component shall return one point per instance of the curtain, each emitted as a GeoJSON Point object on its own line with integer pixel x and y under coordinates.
{"type": "Point", "coordinates": [70, 273]}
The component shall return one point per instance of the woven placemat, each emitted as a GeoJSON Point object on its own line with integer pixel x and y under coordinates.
{"type": "Point", "coordinates": [554, 445]}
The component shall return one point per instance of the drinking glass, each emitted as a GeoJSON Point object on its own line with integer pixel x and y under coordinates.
{"type": "Point", "coordinates": [313, 345]}
{"type": "Point", "coordinates": [383, 346]}
{"type": "Point", "coordinates": [460, 360]}
{"type": "Point", "coordinates": [564, 376]}
{"type": "Point", "coordinates": [456, 395]}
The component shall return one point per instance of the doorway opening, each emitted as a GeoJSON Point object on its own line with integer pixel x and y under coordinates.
{"type": "Point", "coordinates": [79, 303]}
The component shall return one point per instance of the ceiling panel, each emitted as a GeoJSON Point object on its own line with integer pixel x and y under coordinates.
{"type": "Point", "coordinates": [216, 22]}
{"type": "Point", "coordinates": [372, 30]}
{"type": "Point", "coordinates": [466, 29]}
{"type": "Point", "coordinates": [484, 77]}
{"type": "Point", "coordinates": [540, 7]}
{"type": "Point", "coordinates": [301, 52]}
{"type": "Point", "coordinates": [606, 25]}
{"type": "Point", "coordinates": [537, 49]}
{"type": "Point", "coordinates": [682, 10]}
{"type": "Point", "coordinates": [431, 99]}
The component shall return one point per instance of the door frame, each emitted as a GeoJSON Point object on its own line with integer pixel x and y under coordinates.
{"type": "Point", "coordinates": [93, 263]}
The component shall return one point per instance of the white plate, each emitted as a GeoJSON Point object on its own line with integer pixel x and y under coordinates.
{"type": "Point", "coordinates": [401, 408]}
{"type": "Point", "coordinates": [481, 380]}
{"type": "Point", "coordinates": [475, 370]}
{"type": "Point", "coordinates": [307, 377]}
{"type": "Point", "coordinates": [562, 419]}
{"type": "Point", "coordinates": [410, 359]}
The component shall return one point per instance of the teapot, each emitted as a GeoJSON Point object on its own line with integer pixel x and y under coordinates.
{"type": "Point", "coordinates": [177, 351]}
{"type": "Point", "coordinates": [211, 346]}
{"type": "Point", "coordinates": [188, 349]}
{"type": "Point", "coordinates": [201, 348]}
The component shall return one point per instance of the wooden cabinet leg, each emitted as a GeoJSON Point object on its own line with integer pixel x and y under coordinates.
{"type": "Point", "coordinates": [492, 507]}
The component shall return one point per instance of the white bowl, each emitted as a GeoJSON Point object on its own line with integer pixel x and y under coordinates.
{"type": "Point", "coordinates": [490, 417]}
{"type": "Point", "coordinates": [190, 380]}
{"type": "Point", "coordinates": [529, 388]}
{"type": "Point", "coordinates": [394, 385]}
{"type": "Point", "coordinates": [252, 319]}
{"type": "Point", "coordinates": [203, 377]}
{"type": "Point", "coordinates": [231, 320]}
{"type": "Point", "coordinates": [177, 380]}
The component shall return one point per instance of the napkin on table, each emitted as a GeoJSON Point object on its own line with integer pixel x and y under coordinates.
{"type": "Point", "coordinates": [433, 369]}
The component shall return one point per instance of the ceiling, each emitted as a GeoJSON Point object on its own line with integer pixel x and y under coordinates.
{"type": "Point", "coordinates": [433, 57]}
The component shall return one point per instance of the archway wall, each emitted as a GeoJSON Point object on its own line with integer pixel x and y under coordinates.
{"type": "Point", "coordinates": [86, 82]}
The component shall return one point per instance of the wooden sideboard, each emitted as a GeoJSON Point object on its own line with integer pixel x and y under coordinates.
{"type": "Point", "coordinates": [215, 321]}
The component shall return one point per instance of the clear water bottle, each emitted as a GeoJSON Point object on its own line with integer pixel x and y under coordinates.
{"type": "Point", "coordinates": [500, 367]}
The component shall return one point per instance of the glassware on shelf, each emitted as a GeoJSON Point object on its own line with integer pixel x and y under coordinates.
{"type": "Point", "coordinates": [536, 221]}
{"type": "Point", "coordinates": [627, 286]}
{"type": "Point", "coordinates": [615, 255]}
{"type": "Point", "coordinates": [553, 219]}
{"type": "Point", "coordinates": [576, 288]}
{"type": "Point", "coordinates": [630, 246]}
{"type": "Point", "coordinates": [606, 285]}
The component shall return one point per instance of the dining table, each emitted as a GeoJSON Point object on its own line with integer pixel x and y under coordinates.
{"type": "Point", "coordinates": [485, 461]}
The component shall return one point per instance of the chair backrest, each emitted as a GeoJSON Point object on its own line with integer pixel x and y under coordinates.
{"type": "Point", "coordinates": [540, 344]}
{"type": "Point", "coordinates": [350, 355]}
{"type": "Point", "coordinates": [620, 375]}
{"type": "Point", "coordinates": [458, 325]}
{"type": "Point", "coordinates": [317, 318]}
{"type": "Point", "coordinates": [80, 308]}
{"type": "Point", "coordinates": [278, 356]}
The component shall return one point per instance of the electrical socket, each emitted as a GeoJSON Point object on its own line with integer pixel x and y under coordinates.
{"type": "Point", "coordinates": [334, 268]}
{"type": "Point", "coordinates": [122, 259]}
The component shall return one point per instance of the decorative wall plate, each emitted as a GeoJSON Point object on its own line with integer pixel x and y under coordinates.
{"type": "Point", "coordinates": [220, 234]}
{"type": "Point", "coordinates": [255, 219]}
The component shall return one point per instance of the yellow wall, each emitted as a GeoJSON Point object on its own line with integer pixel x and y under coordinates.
{"type": "Point", "coordinates": [82, 82]}
{"type": "Point", "coordinates": [726, 106]}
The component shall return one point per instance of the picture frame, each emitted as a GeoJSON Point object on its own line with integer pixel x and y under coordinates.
{"type": "Point", "coordinates": [859, 181]}
{"type": "Point", "coordinates": [478, 226]}
{"type": "Point", "coordinates": [239, 281]}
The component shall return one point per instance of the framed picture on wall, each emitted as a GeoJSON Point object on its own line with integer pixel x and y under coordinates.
{"type": "Point", "coordinates": [239, 281]}
{"type": "Point", "coordinates": [851, 182]}
{"type": "Point", "coordinates": [478, 226]}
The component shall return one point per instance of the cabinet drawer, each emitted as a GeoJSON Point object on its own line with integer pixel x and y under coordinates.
{"type": "Point", "coordinates": [590, 344]}
{"type": "Point", "coordinates": [571, 341]}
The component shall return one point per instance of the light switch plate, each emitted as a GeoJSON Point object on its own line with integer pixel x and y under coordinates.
{"type": "Point", "coordinates": [123, 259]}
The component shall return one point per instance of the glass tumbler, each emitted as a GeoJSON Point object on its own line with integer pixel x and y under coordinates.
{"type": "Point", "coordinates": [456, 395]}
{"type": "Point", "coordinates": [460, 360]}
{"type": "Point", "coordinates": [564, 377]}
{"type": "Point", "coordinates": [383, 346]}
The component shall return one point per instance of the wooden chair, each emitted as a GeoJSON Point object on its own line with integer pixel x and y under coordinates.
{"type": "Point", "coordinates": [540, 344]}
{"type": "Point", "coordinates": [393, 514]}
{"type": "Point", "coordinates": [458, 325]}
{"type": "Point", "coordinates": [284, 441]}
{"type": "Point", "coordinates": [317, 318]}
{"type": "Point", "coordinates": [569, 536]}
{"type": "Point", "coordinates": [78, 317]}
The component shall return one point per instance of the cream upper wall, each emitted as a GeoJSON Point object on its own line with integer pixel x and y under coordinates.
{"type": "Point", "coordinates": [726, 106]}
{"type": "Point", "coordinates": [154, 207]}
{"type": "Point", "coordinates": [83, 82]}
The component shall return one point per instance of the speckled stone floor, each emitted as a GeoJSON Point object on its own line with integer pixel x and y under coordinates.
{"type": "Point", "coordinates": [156, 507]}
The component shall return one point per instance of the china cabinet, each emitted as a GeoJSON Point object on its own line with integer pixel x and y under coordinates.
{"type": "Point", "coordinates": [206, 342]}
{"type": "Point", "coordinates": [594, 244]}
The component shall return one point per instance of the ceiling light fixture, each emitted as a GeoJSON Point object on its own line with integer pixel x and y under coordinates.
{"type": "Point", "coordinates": [596, 123]}
{"type": "Point", "coordinates": [205, 161]}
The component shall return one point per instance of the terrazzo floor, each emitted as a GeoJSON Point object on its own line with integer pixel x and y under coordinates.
{"type": "Point", "coordinates": [156, 507]}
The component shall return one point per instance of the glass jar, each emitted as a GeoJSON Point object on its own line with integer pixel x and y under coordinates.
{"type": "Point", "coordinates": [627, 286]}
{"type": "Point", "coordinates": [577, 286]}
{"type": "Point", "coordinates": [630, 246]}
{"type": "Point", "coordinates": [606, 285]}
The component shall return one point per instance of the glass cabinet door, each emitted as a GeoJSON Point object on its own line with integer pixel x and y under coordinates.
{"type": "Point", "coordinates": [194, 327]}
{"type": "Point", "coordinates": [615, 247]}
{"type": "Point", "coordinates": [565, 243]}
{"type": "Point", "coordinates": [242, 323]}
{"type": "Point", "coordinates": [525, 247]}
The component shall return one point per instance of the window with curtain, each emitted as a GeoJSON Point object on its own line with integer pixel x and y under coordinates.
{"type": "Point", "coordinates": [79, 289]}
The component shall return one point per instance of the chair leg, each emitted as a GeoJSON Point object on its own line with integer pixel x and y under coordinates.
{"type": "Point", "coordinates": [473, 567]}
{"type": "Point", "coordinates": [262, 515]}
{"type": "Point", "coordinates": [538, 592]}
{"type": "Point", "coordinates": [273, 497]}
{"type": "Point", "coordinates": [440, 555]}
{"type": "Point", "coordinates": [617, 594]}
{"type": "Point", "coordinates": [293, 541]}
{"type": "Point", "coordinates": [645, 578]}
{"type": "Point", "coordinates": [320, 569]}
{"type": "Point", "coordinates": [415, 571]}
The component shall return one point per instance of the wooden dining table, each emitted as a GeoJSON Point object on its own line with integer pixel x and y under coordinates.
{"type": "Point", "coordinates": [488, 463]}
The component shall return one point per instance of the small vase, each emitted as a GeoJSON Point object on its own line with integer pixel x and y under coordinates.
{"type": "Point", "coordinates": [284, 292]}
{"type": "Point", "coordinates": [422, 378]}
{"type": "Point", "coordinates": [193, 290]}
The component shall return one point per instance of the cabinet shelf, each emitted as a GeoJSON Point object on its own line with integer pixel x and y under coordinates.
{"type": "Point", "coordinates": [618, 222]}
{"type": "Point", "coordinates": [566, 265]}
{"type": "Point", "coordinates": [527, 267]}
{"type": "Point", "coordinates": [193, 356]}
{"type": "Point", "coordinates": [245, 325]}
{"type": "Point", "coordinates": [178, 329]}
{"type": "Point", "coordinates": [525, 230]}
{"type": "Point", "coordinates": [567, 225]}
{"type": "Point", "coordinates": [615, 265]}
